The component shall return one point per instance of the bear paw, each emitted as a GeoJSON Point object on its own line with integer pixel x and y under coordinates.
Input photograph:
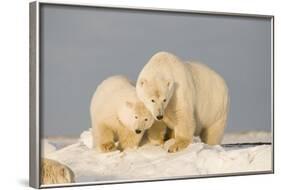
{"type": "Point", "coordinates": [178, 145]}
{"type": "Point", "coordinates": [156, 142]}
{"type": "Point", "coordinates": [108, 147]}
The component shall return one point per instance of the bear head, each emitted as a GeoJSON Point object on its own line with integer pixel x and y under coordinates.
{"type": "Point", "coordinates": [135, 116]}
{"type": "Point", "coordinates": [155, 94]}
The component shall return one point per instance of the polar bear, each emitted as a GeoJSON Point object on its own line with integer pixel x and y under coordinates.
{"type": "Point", "coordinates": [118, 115]}
{"type": "Point", "coordinates": [190, 98]}
{"type": "Point", "coordinates": [157, 133]}
{"type": "Point", "coordinates": [53, 172]}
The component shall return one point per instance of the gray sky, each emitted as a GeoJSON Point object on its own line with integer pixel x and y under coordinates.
{"type": "Point", "coordinates": [81, 46]}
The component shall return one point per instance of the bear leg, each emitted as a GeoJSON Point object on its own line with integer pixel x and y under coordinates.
{"type": "Point", "coordinates": [212, 135]}
{"type": "Point", "coordinates": [183, 132]}
{"type": "Point", "coordinates": [156, 134]}
{"type": "Point", "coordinates": [128, 139]}
{"type": "Point", "coordinates": [105, 139]}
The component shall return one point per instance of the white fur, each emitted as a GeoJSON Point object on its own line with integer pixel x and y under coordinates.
{"type": "Point", "coordinates": [53, 172]}
{"type": "Point", "coordinates": [211, 102]}
{"type": "Point", "coordinates": [116, 114]}
{"type": "Point", "coordinates": [196, 98]}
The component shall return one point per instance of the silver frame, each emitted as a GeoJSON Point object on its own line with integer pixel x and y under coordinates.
{"type": "Point", "coordinates": [34, 118]}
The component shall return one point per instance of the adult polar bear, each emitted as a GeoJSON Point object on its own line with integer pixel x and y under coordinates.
{"type": "Point", "coordinates": [191, 99]}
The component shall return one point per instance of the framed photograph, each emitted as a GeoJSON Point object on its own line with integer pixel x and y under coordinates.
{"type": "Point", "coordinates": [135, 94]}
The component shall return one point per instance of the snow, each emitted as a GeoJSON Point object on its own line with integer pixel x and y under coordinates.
{"type": "Point", "coordinates": [47, 147]}
{"type": "Point", "coordinates": [151, 162]}
{"type": "Point", "coordinates": [86, 138]}
{"type": "Point", "coordinates": [247, 137]}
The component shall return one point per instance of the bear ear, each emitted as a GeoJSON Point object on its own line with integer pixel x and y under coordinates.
{"type": "Point", "coordinates": [129, 104]}
{"type": "Point", "coordinates": [142, 82]}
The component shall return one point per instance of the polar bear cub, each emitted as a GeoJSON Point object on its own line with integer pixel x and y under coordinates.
{"type": "Point", "coordinates": [189, 98]}
{"type": "Point", "coordinates": [118, 115]}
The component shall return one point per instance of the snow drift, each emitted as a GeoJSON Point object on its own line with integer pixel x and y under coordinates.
{"type": "Point", "coordinates": [148, 161]}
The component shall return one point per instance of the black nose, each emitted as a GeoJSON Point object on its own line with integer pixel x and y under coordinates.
{"type": "Point", "coordinates": [138, 131]}
{"type": "Point", "coordinates": [159, 117]}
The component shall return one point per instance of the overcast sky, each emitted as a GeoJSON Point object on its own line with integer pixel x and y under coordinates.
{"type": "Point", "coordinates": [81, 46]}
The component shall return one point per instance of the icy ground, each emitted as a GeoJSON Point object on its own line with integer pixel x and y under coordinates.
{"type": "Point", "coordinates": [148, 162]}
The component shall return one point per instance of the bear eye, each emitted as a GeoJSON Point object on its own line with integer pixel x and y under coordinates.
{"type": "Point", "coordinates": [164, 100]}
{"type": "Point", "coordinates": [136, 117]}
{"type": "Point", "coordinates": [152, 100]}
{"type": "Point", "coordinates": [145, 119]}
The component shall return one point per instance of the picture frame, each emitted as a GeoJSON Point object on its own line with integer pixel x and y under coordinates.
{"type": "Point", "coordinates": [36, 87]}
